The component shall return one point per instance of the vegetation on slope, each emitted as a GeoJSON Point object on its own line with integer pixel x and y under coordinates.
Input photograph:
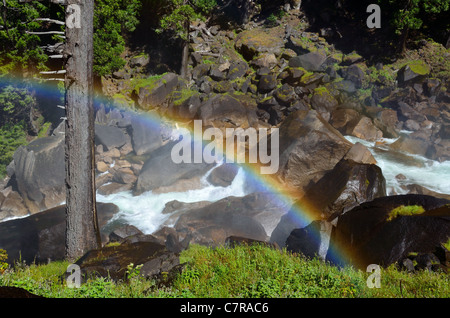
{"type": "Point", "coordinates": [244, 271]}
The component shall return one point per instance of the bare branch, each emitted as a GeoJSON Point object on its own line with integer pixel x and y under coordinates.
{"type": "Point", "coordinates": [44, 32]}
{"type": "Point", "coordinates": [50, 20]}
{"type": "Point", "coordinates": [53, 72]}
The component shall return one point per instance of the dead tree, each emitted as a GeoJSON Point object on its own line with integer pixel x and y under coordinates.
{"type": "Point", "coordinates": [82, 232]}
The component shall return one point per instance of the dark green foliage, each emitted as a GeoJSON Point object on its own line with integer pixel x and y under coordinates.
{"type": "Point", "coordinates": [111, 20]}
{"type": "Point", "coordinates": [20, 51]}
{"type": "Point", "coordinates": [180, 12]}
{"type": "Point", "coordinates": [15, 106]}
{"type": "Point", "coordinates": [11, 137]}
{"type": "Point", "coordinates": [406, 15]}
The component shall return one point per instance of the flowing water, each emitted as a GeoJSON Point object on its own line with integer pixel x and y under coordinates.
{"type": "Point", "coordinates": [145, 211]}
{"type": "Point", "coordinates": [419, 170]}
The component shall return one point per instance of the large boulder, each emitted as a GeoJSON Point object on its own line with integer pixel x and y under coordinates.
{"type": "Point", "coordinates": [251, 43]}
{"type": "Point", "coordinates": [312, 240]}
{"type": "Point", "coordinates": [413, 72]}
{"type": "Point", "coordinates": [109, 136]}
{"type": "Point", "coordinates": [253, 216]}
{"type": "Point", "coordinates": [323, 102]}
{"type": "Point", "coordinates": [354, 179]}
{"type": "Point", "coordinates": [310, 61]}
{"type": "Point", "coordinates": [114, 261]}
{"type": "Point", "coordinates": [145, 131]}
{"type": "Point", "coordinates": [224, 108]}
{"type": "Point", "coordinates": [365, 129]}
{"type": "Point", "coordinates": [304, 133]}
{"type": "Point", "coordinates": [11, 204]}
{"type": "Point", "coordinates": [40, 237]}
{"type": "Point", "coordinates": [39, 172]}
{"type": "Point", "coordinates": [155, 92]}
{"type": "Point", "coordinates": [223, 175]}
{"type": "Point", "coordinates": [368, 237]}
{"type": "Point", "coordinates": [160, 170]}
{"type": "Point", "coordinates": [346, 186]}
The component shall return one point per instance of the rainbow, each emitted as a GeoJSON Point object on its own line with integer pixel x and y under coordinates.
{"type": "Point", "coordinates": [302, 213]}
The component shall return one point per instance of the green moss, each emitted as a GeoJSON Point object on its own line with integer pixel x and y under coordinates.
{"type": "Point", "coordinates": [44, 130]}
{"type": "Point", "coordinates": [321, 91]}
{"type": "Point", "coordinates": [419, 67]}
{"type": "Point", "coordinates": [447, 244]}
{"type": "Point", "coordinates": [149, 83]}
{"type": "Point", "coordinates": [181, 96]}
{"type": "Point", "coordinates": [405, 211]}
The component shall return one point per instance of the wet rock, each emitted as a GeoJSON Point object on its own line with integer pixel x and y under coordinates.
{"type": "Point", "coordinates": [311, 241]}
{"type": "Point", "coordinates": [223, 175]}
{"type": "Point", "coordinates": [123, 232]}
{"type": "Point", "coordinates": [371, 239]}
{"type": "Point", "coordinates": [346, 186]}
{"type": "Point", "coordinates": [253, 216]}
{"type": "Point", "coordinates": [161, 171]}
{"type": "Point", "coordinates": [411, 145]}
{"type": "Point", "coordinates": [41, 236]}
{"type": "Point", "coordinates": [323, 102]}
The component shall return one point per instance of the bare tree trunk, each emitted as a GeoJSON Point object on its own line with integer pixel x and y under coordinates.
{"type": "Point", "coordinates": [82, 232]}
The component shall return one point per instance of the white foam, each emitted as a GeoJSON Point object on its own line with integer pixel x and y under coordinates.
{"type": "Point", "coordinates": [431, 174]}
{"type": "Point", "coordinates": [144, 211]}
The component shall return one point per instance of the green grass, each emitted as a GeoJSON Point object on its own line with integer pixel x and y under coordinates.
{"type": "Point", "coordinates": [245, 271]}
{"type": "Point", "coordinates": [405, 210]}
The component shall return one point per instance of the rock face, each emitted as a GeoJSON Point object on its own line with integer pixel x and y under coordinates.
{"type": "Point", "coordinates": [40, 173]}
{"type": "Point", "coordinates": [304, 133]}
{"type": "Point", "coordinates": [369, 238]}
{"type": "Point", "coordinates": [41, 236]}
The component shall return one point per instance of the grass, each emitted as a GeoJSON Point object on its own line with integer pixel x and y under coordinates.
{"type": "Point", "coordinates": [244, 271]}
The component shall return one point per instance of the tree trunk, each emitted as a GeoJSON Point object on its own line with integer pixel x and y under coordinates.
{"type": "Point", "coordinates": [82, 232]}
